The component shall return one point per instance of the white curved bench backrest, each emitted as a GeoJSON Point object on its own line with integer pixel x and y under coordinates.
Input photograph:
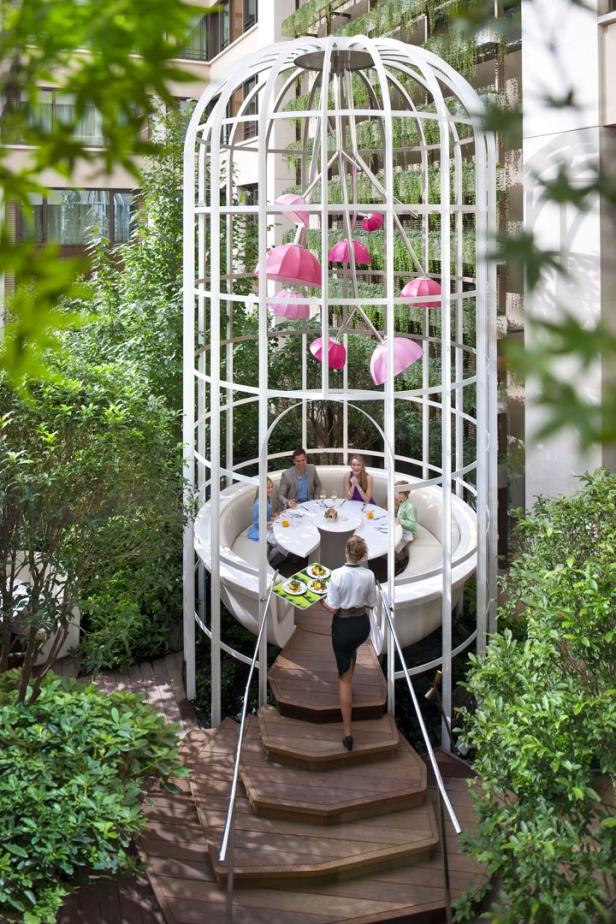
{"type": "Point", "coordinates": [237, 513]}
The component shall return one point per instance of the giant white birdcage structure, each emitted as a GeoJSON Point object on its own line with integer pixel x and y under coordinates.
{"type": "Point", "coordinates": [355, 171]}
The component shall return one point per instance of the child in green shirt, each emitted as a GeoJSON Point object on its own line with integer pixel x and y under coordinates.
{"type": "Point", "coordinates": [407, 518]}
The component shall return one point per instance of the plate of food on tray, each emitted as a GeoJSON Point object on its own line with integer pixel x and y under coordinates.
{"type": "Point", "coordinates": [318, 571]}
{"type": "Point", "coordinates": [317, 586]}
{"type": "Point", "coordinates": [294, 587]}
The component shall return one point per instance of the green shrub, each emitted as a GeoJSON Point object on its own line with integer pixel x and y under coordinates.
{"type": "Point", "coordinates": [72, 768]}
{"type": "Point", "coordinates": [545, 724]}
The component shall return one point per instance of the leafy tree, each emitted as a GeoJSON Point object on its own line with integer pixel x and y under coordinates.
{"type": "Point", "coordinates": [110, 419]}
{"type": "Point", "coordinates": [124, 75]}
{"type": "Point", "coordinates": [89, 491]}
{"type": "Point", "coordinates": [73, 767]}
{"type": "Point", "coordinates": [545, 724]}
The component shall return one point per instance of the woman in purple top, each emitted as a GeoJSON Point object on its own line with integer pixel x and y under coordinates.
{"type": "Point", "coordinates": [358, 483]}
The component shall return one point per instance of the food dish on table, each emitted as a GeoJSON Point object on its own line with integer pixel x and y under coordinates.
{"type": "Point", "coordinates": [317, 586]}
{"type": "Point", "coordinates": [331, 513]}
{"type": "Point", "coordinates": [294, 587]}
{"type": "Point", "coordinates": [318, 571]}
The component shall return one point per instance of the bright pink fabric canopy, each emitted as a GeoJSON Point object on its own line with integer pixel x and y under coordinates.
{"type": "Point", "coordinates": [373, 222]}
{"type": "Point", "coordinates": [295, 203]}
{"type": "Point", "coordinates": [406, 352]}
{"type": "Point", "coordinates": [337, 353]}
{"type": "Point", "coordinates": [293, 264]}
{"type": "Point", "coordinates": [423, 285]}
{"type": "Point", "coordinates": [298, 310]}
{"type": "Point", "coordinates": [340, 253]}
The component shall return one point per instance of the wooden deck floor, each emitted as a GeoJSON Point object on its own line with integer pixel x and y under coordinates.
{"type": "Point", "coordinates": [322, 835]}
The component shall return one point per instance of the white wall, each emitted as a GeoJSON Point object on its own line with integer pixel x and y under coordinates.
{"type": "Point", "coordinates": [571, 138]}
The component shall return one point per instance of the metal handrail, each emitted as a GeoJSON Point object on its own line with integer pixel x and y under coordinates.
{"type": "Point", "coordinates": [228, 833]}
{"type": "Point", "coordinates": [437, 773]}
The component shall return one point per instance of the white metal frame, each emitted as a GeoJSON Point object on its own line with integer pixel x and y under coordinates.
{"type": "Point", "coordinates": [409, 76]}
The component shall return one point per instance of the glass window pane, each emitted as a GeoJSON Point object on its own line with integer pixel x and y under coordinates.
{"type": "Point", "coordinates": [251, 108]}
{"type": "Point", "coordinates": [64, 113]}
{"type": "Point", "coordinates": [73, 215]}
{"type": "Point", "coordinates": [250, 13]}
{"type": "Point", "coordinates": [90, 127]}
{"type": "Point", "coordinates": [123, 210]}
{"type": "Point", "coordinates": [40, 114]}
{"type": "Point", "coordinates": [31, 225]}
{"type": "Point", "coordinates": [196, 46]}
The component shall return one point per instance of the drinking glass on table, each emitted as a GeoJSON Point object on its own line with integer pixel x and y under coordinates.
{"type": "Point", "coordinates": [322, 498]}
{"type": "Point", "coordinates": [334, 497]}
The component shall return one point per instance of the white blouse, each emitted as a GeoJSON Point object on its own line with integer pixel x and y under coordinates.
{"type": "Point", "coordinates": [351, 586]}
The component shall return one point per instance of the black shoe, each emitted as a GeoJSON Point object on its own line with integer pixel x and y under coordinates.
{"type": "Point", "coordinates": [348, 742]}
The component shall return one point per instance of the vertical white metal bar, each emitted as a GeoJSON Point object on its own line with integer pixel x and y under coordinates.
{"type": "Point", "coordinates": [492, 390]}
{"type": "Point", "coordinates": [188, 431]}
{"type": "Point", "coordinates": [459, 309]}
{"type": "Point", "coordinates": [229, 322]}
{"type": "Point", "coordinates": [483, 384]}
{"type": "Point", "coordinates": [425, 359]}
{"type": "Point", "coordinates": [445, 215]}
{"type": "Point", "coordinates": [202, 223]}
{"type": "Point", "coordinates": [304, 343]}
{"type": "Point", "coordinates": [199, 384]}
{"type": "Point", "coordinates": [324, 129]}
{"type": "Point", "coordinates": [389, 394]}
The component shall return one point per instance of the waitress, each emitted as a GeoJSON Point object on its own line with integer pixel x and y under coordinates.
{"type": "Point", "coordinates": [351, 593]}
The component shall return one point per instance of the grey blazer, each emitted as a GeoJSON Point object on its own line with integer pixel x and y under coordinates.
{"type": "Point", "coordinates": [287, 488]}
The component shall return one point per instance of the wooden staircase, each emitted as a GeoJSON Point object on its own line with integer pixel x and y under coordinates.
{"type": "Point", "coordinates": [321, 834]}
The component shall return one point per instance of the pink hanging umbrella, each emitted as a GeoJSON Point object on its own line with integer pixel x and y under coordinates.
{"type": "Point", "coordinates": [295, 203]}
{"type": "Point", "coordinates": [340, 253]}
{"type": "Point", "coordinates": [293, 264]}
{"type": "Point", "coordinates": [373, 222]}
{"type": "Point", "coordinates": [423, 285]}
{"type": "Point", "coordinates": [336, 353]}
{"type": "Point", "coordinates": [406, 352]}
{"type": "Point", "coordinates": [296, 310]}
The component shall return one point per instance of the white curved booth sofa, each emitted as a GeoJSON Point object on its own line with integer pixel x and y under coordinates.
{"type": "Point", "coordinates": [417, 588]}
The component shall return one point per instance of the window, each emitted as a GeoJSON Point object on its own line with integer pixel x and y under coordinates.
{"type": "Point", "coordinates": [123, 212]}
{"type": "Point", "coordinates": [252, 108]}
{"type": "Point", "coordinates": [218, 30]}
{"type": "Point", "coordinates": [54, 109]}
{"type": "Point", "coordinates": [69, 216]}
{"type": "Point", "coordinates": [196, 46]}
{"type": "Point", "coordinates": [72, 215]}
{"type": "Point", "coordinates": [250, 13]}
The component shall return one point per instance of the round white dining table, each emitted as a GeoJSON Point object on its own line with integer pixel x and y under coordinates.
{"type": "Point", "coordinates": [309, 529]}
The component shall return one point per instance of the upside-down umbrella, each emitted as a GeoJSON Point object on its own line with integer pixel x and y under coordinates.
{"type": "Point", "coordinates": [293, 264]}
{"type": "Point", "coordinates": [336, 353]}
{"type": "Point", "coordinates": [373, 222]}
{"type": "Point", "coordinates": [406, 352]}
{"type": "Point", "coordinates": [423, 285]}
{"type": "Point", "coordinates": [298, 310]}
{"type": "Point", "coordinates": [340, 253]}
{"type": "Point", "coordinates": [294, 213]}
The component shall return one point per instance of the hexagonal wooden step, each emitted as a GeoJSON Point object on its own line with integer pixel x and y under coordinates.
{"type": "Point", "coordinates": [285, 848]}
{"type": "Point", "coordinates": [344, 791]}
{"type": "Point", "coordinates": [304, 680]}
{"type": "Point", "coordinates": [295, 742]}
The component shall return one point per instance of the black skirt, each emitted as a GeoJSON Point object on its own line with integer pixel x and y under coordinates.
{"type": "Point", "coordinates": [347, 635]}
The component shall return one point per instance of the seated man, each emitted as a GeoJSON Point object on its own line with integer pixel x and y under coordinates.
{"type": "Point", "coordinates": [300, 483]}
